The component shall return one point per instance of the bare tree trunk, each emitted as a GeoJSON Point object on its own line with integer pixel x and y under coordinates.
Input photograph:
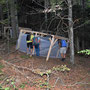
{"type": "Point", "coordinates": [16, 17]}
{"type": "Point", "coordinates": [71, 31]}
{"type": "Point", "coordinates": [83, 44]}
{"type": "Point", "coordinates": [46, 6]}
{"type": "Point", "coordinates": [1, 18]}
{"type": "Point", "coordinates": [14, 23]}
{"type": "Point", "coordinates": [8, 12]}
{"type": "Point", "coordinates": [77, 44]}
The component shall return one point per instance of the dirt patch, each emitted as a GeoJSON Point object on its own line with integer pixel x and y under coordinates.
{"type": "Point", "coordinates": [20, 72]}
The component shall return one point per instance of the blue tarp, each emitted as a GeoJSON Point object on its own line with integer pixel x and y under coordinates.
{"type": "Point", "coordinates": [44, 46]}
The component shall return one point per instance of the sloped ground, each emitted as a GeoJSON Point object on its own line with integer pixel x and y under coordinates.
{"type": "Point", "coordinates": [18, 73]}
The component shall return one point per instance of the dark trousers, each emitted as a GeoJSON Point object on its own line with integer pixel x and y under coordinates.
{"type": "Point", "coordinates": [37, 49]}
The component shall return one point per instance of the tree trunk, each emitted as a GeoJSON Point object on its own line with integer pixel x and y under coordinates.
{"type": "Point", "coordinates": [83, 44]}
{"type": "Point", "coordinates": [1, 18]}
{"type": "Point", "coordinates": [8, 12]}
{"type": "Point", "coordinates": [77, 44]}
{"type": "Point", "coordinates": [14, 22]}
{"type": "Point", "coordinates": [46, 6]}
{"type": "Point", "coordinates": [71, 31]}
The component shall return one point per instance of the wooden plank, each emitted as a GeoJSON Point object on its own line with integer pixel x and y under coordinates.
{"type": "Point", "coordinates": [50, 40]}
{"type": "Point", "coordinates": [50, 49]}
{"type": "Point", "coordinates": [55, 41]}
{"type": "Point", "coordinates": [40, 33]}
{"type": "Point", "coordinates": [59, 37]}
{"type": "Point", "coordinates": [34, 32]}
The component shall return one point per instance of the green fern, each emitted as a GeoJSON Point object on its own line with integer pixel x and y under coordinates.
{"type": "Point", "coordinates": [86, 52]}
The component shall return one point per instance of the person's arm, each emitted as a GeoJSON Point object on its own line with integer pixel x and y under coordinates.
{"type": "Point", "coordinates": [28, 37]}
{"type": "Point", "coordinates": [59, 44]}
{"type": "Point", "coordinates": [39, 41]}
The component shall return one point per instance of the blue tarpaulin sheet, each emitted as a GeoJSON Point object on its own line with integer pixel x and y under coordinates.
{"type": "Point", "coordinates": [44, 46]}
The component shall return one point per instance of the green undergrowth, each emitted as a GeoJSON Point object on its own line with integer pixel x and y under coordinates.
{"type": "Point", "coordinates": [61, 68]}
{"type": "Point", "coordinates": [23, 85]}
{"type": "Point", "coordinates": [25, 56]}
{"type": "Point", "coordinates": [85, 52]}
{"type": "Point", "coordinates": [10, 83]}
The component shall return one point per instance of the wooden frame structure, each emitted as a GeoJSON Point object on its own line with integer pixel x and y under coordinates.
{"type": "Point", "coordinates": [53, 38]}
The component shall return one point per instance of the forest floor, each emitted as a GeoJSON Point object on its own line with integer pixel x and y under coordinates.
{"type": "Point", "coordinates": [20, 72]}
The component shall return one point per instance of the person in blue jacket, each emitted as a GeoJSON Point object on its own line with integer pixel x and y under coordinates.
{"type": "Point", "coordinates": [63, 48]}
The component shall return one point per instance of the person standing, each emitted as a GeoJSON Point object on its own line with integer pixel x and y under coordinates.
{"type": "Point", "coordinates": [63, 48]}
{"type": "Point", "coordinates": [29, 38]}
{"type": "Point", "coordinates": [36, 43]}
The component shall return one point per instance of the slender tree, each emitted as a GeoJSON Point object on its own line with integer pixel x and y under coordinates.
{"type": "Point", "coordinates": [1, 19]}
{"type": "Point", "coordinates": [71, 31]}
{"type": "Point", "coordinates": [14, 20]}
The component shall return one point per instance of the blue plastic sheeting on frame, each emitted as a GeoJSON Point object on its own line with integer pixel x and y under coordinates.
{"type": "Point", "coordinates": [44, 46]}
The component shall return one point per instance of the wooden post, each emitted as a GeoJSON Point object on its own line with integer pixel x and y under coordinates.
{"type": "Point", "coordinates": [50, 49]}
{"type": "Point", "coordinates": [50, 40]}
{"type": "Point", "coordinates": [52, 43]}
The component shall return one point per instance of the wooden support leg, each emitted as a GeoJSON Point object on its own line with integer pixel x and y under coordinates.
{"type": "Point", "coordinates": [50, 49]}
{"type": "Point", "coordinates": [55, 41]}
{"type": "Point", "coordinates": [52, 43]}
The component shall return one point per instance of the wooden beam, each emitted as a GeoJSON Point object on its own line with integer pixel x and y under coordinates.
{"type": "Point", "coordinates": [50, 40]}
{"type": "Point", "coordinates": [50, 49]}
{"type": "Point", "coordinates": [55, 41]}
{"type": "Point", "coordinates": [40, 33]}
{"type": "Point", "coordinates": [59, 37]}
